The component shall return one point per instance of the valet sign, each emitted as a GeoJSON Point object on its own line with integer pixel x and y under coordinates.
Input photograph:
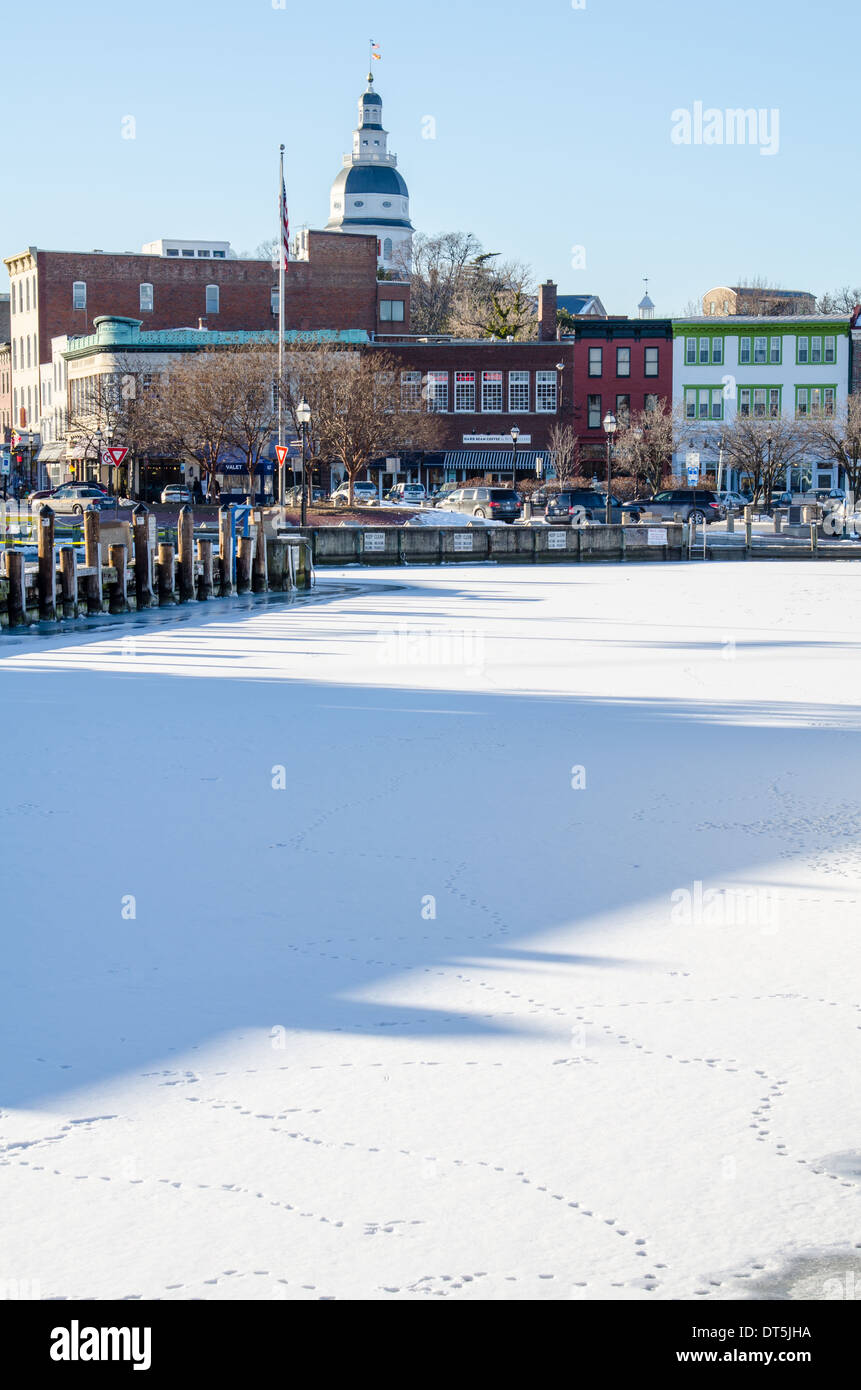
{"type": "Point", "coordinates": [496, 439]}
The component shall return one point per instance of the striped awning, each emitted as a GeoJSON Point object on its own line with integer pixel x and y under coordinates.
{"type": "Point", "coordinates": [494, 460]}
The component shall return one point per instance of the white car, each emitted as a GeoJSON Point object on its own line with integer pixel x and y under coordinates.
{"type": "Point", "coordinates": [735, 500]}
{"type": "Point", "coordinates": [408, 492]}
{"type": "Point", "coordinates": [177, 492]}
{"type": "Point", "coordinates": [364, 494]}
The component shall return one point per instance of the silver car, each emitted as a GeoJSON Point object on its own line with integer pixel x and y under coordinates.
{"type": "Point", "coordinates": [74, 498]}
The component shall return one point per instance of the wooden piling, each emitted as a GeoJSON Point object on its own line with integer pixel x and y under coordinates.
{"type": "Point", "coordinates": [47, 571]}
{"type": "Point", "coordinates": [92, 532]}
{"type": "Point", "coordinates": [69, 581]}
{"type": "Point", "coordinates": [225, 550]}
{"type": "Point", "coordinates": [260, 565]}
{"type": "Point", "coordinates": [118, 600]}
{"type": "Point", "coordinates": [143, 556]}
{"type": "Point", "coordinates": [15, 574]}
{"type": "Point", "coordinates": [166, 574]}
{"type": "Point", "coordinates": [204, 579]}
{"type": "Point", "coordinates": [243, 564]}
{"type": "Point", "coordinates": [185, 534]}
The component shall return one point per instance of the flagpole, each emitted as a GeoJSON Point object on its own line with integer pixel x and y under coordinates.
{"type": "Point", "coordinates": [282, 252]}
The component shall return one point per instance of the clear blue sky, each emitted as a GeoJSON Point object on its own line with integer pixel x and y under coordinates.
{"type": "Point", "coordinates": [552, 130]}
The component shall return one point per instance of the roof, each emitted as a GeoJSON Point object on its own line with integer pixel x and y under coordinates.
{"type": "Point", "coordinates": [371, 178]}
{"type": "Point", "coordinates": [496, 458]}
{"type": "Point", "coordinates": [768, 293]}
{"type": "Point", "coordinates": [740, 320]}
{"type": "Point", "coordinates": [581, 304]}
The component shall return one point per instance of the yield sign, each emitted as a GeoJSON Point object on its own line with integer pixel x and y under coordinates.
{"type": "Point", "coordinates": [114, 456]}
{"type": "Point", "coordinates": [282, 453]}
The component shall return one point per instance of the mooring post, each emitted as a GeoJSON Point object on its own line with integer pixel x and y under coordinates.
{"type": "Point", "coordinates": [117, 561]}
{"type": "Point", "coordinates": [204, 582]}
{"type": "Point", "coordinates": [143, 556]}
{"type": "Point", "coordinates": [185, 537]}
{"type": "Point", "coordinates": [15, 575]}
{"type": "Point", "coordinates": [166, 573]}
{"type": "Point", "coordinates": [225, 550]}
{"type": "Point", "coordinates": [47, 571]}
{"type": "Point", "coordinates": [260, 566]}
{"type": "Point", "coordinates": [243, 564]}
{"type": "Point", "coordinates": [69, 581]}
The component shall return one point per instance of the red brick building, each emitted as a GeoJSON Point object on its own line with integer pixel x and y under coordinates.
{"type": "Point", "coordinates": [332, 285]}
{"type": "Point", "coordinates": [621, 365]}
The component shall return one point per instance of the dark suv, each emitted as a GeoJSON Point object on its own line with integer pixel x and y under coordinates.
{"type": "Point", "coordinates": [691, 504]}
{"type": "Point", "coordinates": [490, 503]}
{"type": "Point", "coordinates": [586, 504]}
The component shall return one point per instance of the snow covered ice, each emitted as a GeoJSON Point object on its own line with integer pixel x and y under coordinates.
{"type": "Point", "coordinates": [534, 973]}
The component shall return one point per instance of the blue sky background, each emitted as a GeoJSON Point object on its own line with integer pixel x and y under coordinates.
{"type": "Point", "coordinates": [552, 130]}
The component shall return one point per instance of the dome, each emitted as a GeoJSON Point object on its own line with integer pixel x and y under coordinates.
{"type": "Point", "coordinates": [370, 99]}
{"type": "Point", "coordinates": [370, 178]}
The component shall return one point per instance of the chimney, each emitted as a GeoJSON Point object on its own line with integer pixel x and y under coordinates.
{"type": "Point", "coordinates": [546, 311]}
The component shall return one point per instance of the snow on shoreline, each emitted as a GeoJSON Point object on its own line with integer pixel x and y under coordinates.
{"type": "Point", "coordinates": [434, 1021]}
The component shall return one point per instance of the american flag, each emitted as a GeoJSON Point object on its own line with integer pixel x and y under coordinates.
{"type": "Point", "coordinates": [285, 224]}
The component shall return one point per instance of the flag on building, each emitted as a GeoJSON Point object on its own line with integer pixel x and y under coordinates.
{"type": "Point", "coordinates": [375, 50]}
{"type": "Point", "coordinates": [284, 222]}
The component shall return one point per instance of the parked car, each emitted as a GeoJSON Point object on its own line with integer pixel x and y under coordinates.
{"type": "Point", "coordinates": [176, 493]}
{"type": "Point", "coordinates": [825, 494]}
{"type": "Point", "coordinates": [489, 503]}
{"type": "Point", "coordinates": [575, 504]}
{"type": "Point", "coordinates": [364, 494]}
{"type": "Point", "coordinates": [229, 497]}
{"type": "Point", "coordinates": [40, 496]}
{"type": "Point", "coordinates": [733, 501]}
{"type": "Point", "coordinates": [74, 498]}
{"type": "Point", "coordinates": [540, 498]}
{"type": "Point", "coordinates": [441, 494]}
{"type": "Point", "coordinates": [293, 495]}
{"type": "Point", "coordinates": [691, 504]}
{"type": "Point", "coordinates": [407, 492]}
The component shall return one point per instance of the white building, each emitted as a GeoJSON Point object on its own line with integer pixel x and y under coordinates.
{"type": "Point", "coordinates": [191, 250]}
{"type": "Point", "coordinates": [369, 196]}
{"type": "Point", "coordinates": [763, 367]}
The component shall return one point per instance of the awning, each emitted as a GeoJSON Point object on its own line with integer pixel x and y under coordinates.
{"type": "Point", "coordinates": [496, 460]}
{"type": "Point", "coordinates": [52, 453]}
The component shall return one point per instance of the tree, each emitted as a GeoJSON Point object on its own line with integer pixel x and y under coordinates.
{"type": "Point", "coordinates": [564, 445]}
{"type": "Point", "coordinates": [122, 405]}
{"type": "Point", "coordinates": [458, 287]}
{"type": "Point", "coordinates": [197, 407]}
{"type": "Point", "coordinates": [435, 271]}
{"type": "Point", "coordinates": [837, 438]}
{"type": "Point", "coordinates": [841, 301]}
{"type": "Point", "coordinates": [764, 447]}
{"type": "Point", "coordinates": [361, 413]}
{"type": "Point", "coordinates": [645, 443]}
{"type": "Point", "coordinates": [250, 380]}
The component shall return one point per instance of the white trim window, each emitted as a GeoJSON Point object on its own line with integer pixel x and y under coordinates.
{"type": "Point", "coordinates": [815, 351]}
{"type": "Point", "coordinates": [703, 403]}
{"type": "Point", "coordinates": [464, 393]}
{"type": "Point", "coordinates": [79, 294]}
{"type": "Point", "coordinates": [491, 393]}
{"type": "Point", "coordinates": [760, 353]}
{"type": "Point", "coordinates": [518, 391]}
{"type": "Point", "coordinates": [744, 352]}
{"type": "Point", "coordinates": [815, 400]}
{"type": "Point", "coordinates": [391, 311]}
{"type": "Point", "coordinates": [774, 347]}
{"type": "Point", "coordinates": [690, 352]}
{"type": "Point", "coordinates": [411, 390]}
{"type": "Point", "coordinates": [213, 299]}
{"type": "Point", "coordinates": [830, 354]}
{"type": "Point", "coordinates": [437, 389]}
{"type": "Point", "coordinates": [705, 351]}
{"type": "Point", "coordinates": [146, 299]}
{"type": "Point", "coordinates": [546, 391]}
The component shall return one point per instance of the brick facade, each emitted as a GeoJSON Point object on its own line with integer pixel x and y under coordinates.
{"type": "Point", "coordinates": [610, 335]}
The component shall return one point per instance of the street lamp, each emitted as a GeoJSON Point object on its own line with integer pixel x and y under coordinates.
{"type": "Point", "coordinates": [112, 472]}
{"type": "Point", "coordinates": [98, 438]}
{"type": "Point", "coordinates": [303, 415]}
{"type": "Point", "coordinates": [560, 367]}
{"type": "Point", "coordinates": [515, 435]}
{"type": "Point", "coordinates": [609, 430]}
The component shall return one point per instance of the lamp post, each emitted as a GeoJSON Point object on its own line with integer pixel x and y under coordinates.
{"type": "Point", "coordinates": [98, 438]}
{"type": "Point", "coordinates": [515, 435]}
{"type": "Point", "coordinates": [303, 415]}
{"type": "Point", "coordinates": [560, 367]}
{"type": "Point", "coordinates": [609, 430]}
{"type": "Point", "coordinates": [109, 434]}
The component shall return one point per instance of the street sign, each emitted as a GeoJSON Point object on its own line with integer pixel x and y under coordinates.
{"type": "Point", "coordinates": [282, 453]}
{"type": "Point", "coordinates": [692, 466]}
{"type": "Point", "coordinates": [112, 458]}
{"type": "Point", "coordinates": [4, 465]}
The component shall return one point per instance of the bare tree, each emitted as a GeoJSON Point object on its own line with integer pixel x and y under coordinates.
{"type": "Point", "coordinates": [764, 447]}
{"type": "Point", "coordinates": [121, 405]}
{"type": "Point", "coordinates": [842, 301]}
{"type": "Point", "coordinates": [495, 300]}
{"type": "Point", "coordinates": [563, 442]}
{"type": "Point", "coordinates": [197, 408]}
{"type": "Point", "coordinates": [435, 270]}
{"type": "Point", "coordinates": [837, 438]}
{"type": "Point", "coordinates": [645, 444]}
{"type": "Point", "coordinates": [249, 379]}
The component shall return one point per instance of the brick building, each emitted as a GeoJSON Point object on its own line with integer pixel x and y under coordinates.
{"type": "Point", "coordinates": [5, 371]}
{"type": "Point", "coordinates": [621, 365]}
{"type": "Point", "coordinates": [331, 285]}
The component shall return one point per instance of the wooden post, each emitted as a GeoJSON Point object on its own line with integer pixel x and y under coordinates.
{"type": "Point", "coordinates": [117, 561]}
{"type": "Point", "coordinates": [69, 581]}
{"type": "Point", "coordinates": [243, 564]}
{"type": "Point", "coordinates": [92, 531]}
{"type": "Point", "coordinates": [204, 583]}
{"type": "Point", "coordinates": [15, 576]}
{"type": "Point", "coordinates": [185, 535]}
{"type": "Point", "coordinates": [143, 556]}
{"type": "Point", "coordinates": [260, 566]}
{"type": "Point", "coordinates": [225, 550]}
{"type": "Point", "coordinates": [814, 536]}
{"type": "Point", "coordinates": [166, 574]}
{"type": "Point", "coordinates": [300, 566]}
{"type": "Point", "coordinates": [748, 527]}
{"type": "Point", "coordinates": [47, 572]}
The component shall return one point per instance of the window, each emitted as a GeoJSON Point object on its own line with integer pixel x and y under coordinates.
{"type": "Point", "coordinates": [464, 392]}
{"type": "Point", "coordinates": [491, 392]}
{"type": "Point", "coordinates": [774, 351]}
{"type": "Point", "coordinates": [815, 400]}
{"type": "Point", "coordinates": [596, 361]}
{"type": "Point", "coordinates": [623, 409]}
{"type": "Point", "coordinates": [146, 299]}
{"type": "Point", "coordinates": [28, 294]}
{"type": "Point", "coordinates": [218, 256]}
{"type": "Point", "coordinates": [387, 251]}
{"type": "Point", "coordinates": [690, 352]}
{"type": "Point", "coordinates": [815, 349]}
{"type": "Point", "coordinates": [411, 390]}
{"type": "Point", "coordinates": [594, 412]}
{"type": "Point", "coordinates": [759, 351]}
{"type": "Point", "coordinates": [717, 351]}
{"type": "Point", "coordinates": [651, 361]}
{"type": "Point", "coordinates": [212, 299]}
{"type": "Point", "coordinates": [766, 402]}
{"type": "Point", "coordinates": [391, 310]}
{"type": "Point", "coordinates": [204, 254]}
{"type": "Point", "coordinates": [744, 351]}
{"type": "Point", "coordinates": [172, 251]}
{"type": "Point", "coordinates": [518, 391]}
{"type": "Point", "coordinates": [623, 361]}
{"type": "Point", "coordinates": [802, 349]}
{"type": "Point", "coordinates": [438, 392]}
{"type": "Point", "coordinates": [79, 294]}
{"type": "Point", "coordinates": [703, 403]}
{"type": "Point", "coordinates": [705, 350]}
{"type": "Point", "coordinates": [274, 301]}
{"type": "Point", "coordinates": [545, 392]}
{"type": "Point", "coordinates": [188, 253]}
{"type": "Point", "coordinates": [830, 350]}
{"type": "Point", "coordinates": [651, 401]}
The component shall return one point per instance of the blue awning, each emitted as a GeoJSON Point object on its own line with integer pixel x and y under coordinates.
{"type": "Point", "coordinates": [494, 460]}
